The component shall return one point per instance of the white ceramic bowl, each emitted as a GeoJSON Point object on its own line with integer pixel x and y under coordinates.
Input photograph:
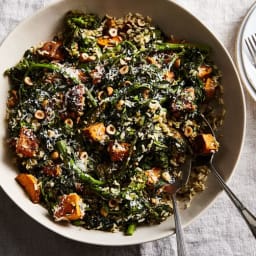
{"type": "Point", "coordinates": [173, 19]}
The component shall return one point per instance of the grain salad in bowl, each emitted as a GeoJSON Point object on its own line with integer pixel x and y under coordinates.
{"type": "Point", "coordinates": [100, 118]}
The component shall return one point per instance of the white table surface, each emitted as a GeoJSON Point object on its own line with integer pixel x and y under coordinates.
{"type": "Point", "coordinates": [219, 231]}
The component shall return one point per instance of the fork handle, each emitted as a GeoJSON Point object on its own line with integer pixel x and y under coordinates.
{"type": "Point", "coordinates": [249, 218]}
{"type": "Point", "coordinates": [181, 248]}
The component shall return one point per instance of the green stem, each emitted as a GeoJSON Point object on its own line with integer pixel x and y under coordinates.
{"type": "Point", "coordinates": [177, 46]}
{"type": "Point", "coordinates": [131, 229]}
{"type": "Point", "coordinates": [63, 150]}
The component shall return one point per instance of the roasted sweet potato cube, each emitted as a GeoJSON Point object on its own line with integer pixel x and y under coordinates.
{"type": "Point", "coordinates": [52, 50]}
{"type": "Point", "coordinates": [205, 144]}
{"type": "Point", "coordinates": [204, 71]}
{"type": "Point", "coordinates": [27, 144]}
{"type": "Point", "coordinates": [95, 132]}
{"type": "Point", "coordinates": [30, 185]}
{"type": "Point", "coordinates": [109, 41]}
{"type": "Point", "coordinates": [209, 87]}
{"type": "Point", "coordinates": [69, 208]}
{"type": "Point", "coordinates": [118, 151]}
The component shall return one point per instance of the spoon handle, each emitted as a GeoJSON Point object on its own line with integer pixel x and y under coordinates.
{"type": "Point", "coordinates": [246, 214]}
{"type": "Point", "coordinates": [181, 248]}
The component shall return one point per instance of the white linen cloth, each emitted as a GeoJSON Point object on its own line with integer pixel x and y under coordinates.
{"type": "Point", "coordinates": [219, 231]}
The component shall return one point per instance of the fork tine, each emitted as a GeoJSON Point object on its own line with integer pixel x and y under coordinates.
{"type": "Point", "coordinates": [249, 47]}
{"type": "Point", "coordinates": [254, 40]}
{"type": "Point", "coordinates": [251, 44]}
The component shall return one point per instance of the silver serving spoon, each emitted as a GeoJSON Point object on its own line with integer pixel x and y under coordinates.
{"type": "Point", "coordinates": [172, 189]}
{"type": "Point", "coordinates": [207, 159]}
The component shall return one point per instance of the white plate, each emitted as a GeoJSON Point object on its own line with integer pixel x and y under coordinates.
{"type": "Point", "coordinates": [246, 69]}
{"type": "Point", "coordinates": [173, 19]}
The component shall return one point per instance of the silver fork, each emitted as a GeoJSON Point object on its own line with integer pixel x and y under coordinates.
{"type": "Point", "coordinates": [251, 46]}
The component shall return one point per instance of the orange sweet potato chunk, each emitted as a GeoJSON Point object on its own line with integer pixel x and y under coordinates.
{"type": "Point", "coordinates": [69, 208]}
{"type": "Point", "coordinates": [27, 143]}
{"type": "Point", "coordinates": [206, 143]}
{"type": "Point", "coordinates": [96, 132]}
{"type": "Point", "coordinates": [30, 185]}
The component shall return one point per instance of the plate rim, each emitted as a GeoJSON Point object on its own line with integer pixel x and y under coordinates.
{"type": "Point", "coordinates": [238, 52]}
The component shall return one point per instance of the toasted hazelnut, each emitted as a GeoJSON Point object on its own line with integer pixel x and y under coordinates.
{"type": "Point", "coordinates": [112, 203]}
{"type": "Point", "coordinates": [111, 129]}
{"type": "Point", "coordinates": [84, 57]}
{"type": "Point", "coordinates": [113, 32]}
{"type": "Point", "coordinates": [141, 22]}
{"type": "Point", "coordinates": [28, 81]}
{"type": "Point", "coordinates": [110, 90]}
{"type": "Point", "coordinates": [55, 155]}
{"type": "Point", "coordinates": [100, 95]}
{"type": "Point", "coordinates": [39, 114]}
{"type": "Point", "coordinates": [83, 155]}
{"type": "Point", "coordinates": [120, 104]}
{"type": "Point", "coordinates": [124, 70]}
{"type": "Point", "coordinates": [188, 131]}
{"type": "Point", "coordinates": [104, 211]}
{"type": "Point", "coordinates": [69, 122]}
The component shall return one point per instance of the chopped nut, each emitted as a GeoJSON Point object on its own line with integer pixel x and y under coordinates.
{"type": "Point", "coordinates": [113, 203]}
{"type": "Point", "coordinates": [113, 32]}
{"type": "Point", "coordinates": [69, 122]}
{"type": "Point", "coordinates": [39, 114]}
{"type": "Point", "coordinates": [141, 22]}
{"type": "Point", "coordinates": [84, 57]}
{"type": "Point", "coordinates": [124, 70]}
{"type": "Point", "coordinates": [188, 131]}
{"type": "Point", "coordinates": [55, 155]}
{"type": "Point", "coordinates": [166, 176]}
{"type": "Point", "coordinates": [83, 155]}
{"type": "Point", "coordinates": [127, 83]}
{"type": "Point", "coordinates": [28, 81]}
{"type": "Point", "coordinates": [120, 105]}
{"type": "Point", "coordinates": [100, 95]}
{"type": "Point", "coordinates": [104, 211]}
{"type": "Point", "coordinates": [110, 129]}
{"type": "Point", "coordinates": [110, 90]}
{"type": "Point", "coordinates": [123, 62]}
